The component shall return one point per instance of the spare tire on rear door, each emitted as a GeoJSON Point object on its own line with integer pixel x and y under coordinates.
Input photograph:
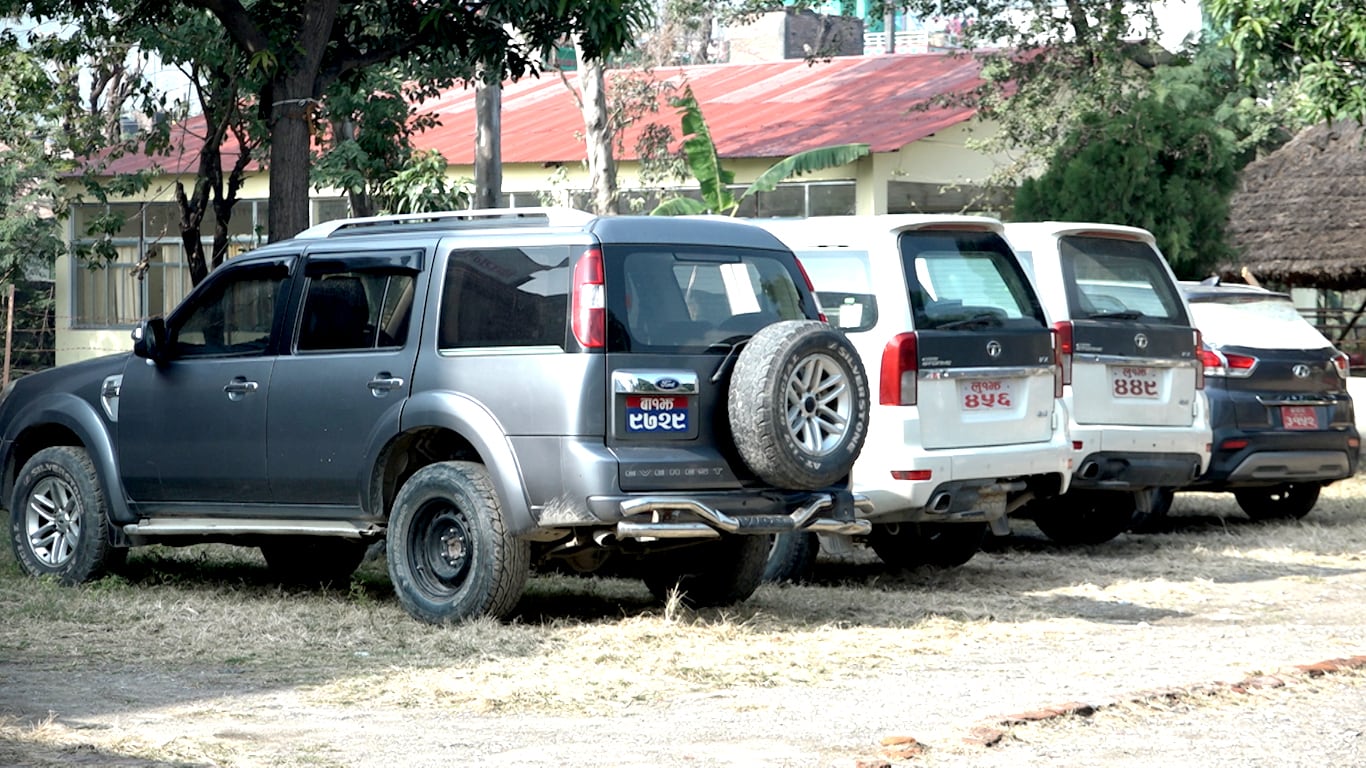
{"type": "Point", "coordinates": [798, 404]}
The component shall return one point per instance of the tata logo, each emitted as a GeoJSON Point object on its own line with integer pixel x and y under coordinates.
{"type": "Point", "coordinates": [1141, 340]}
{"type": "Point", "coordinates": [667, 385]}
{"type": "Point", "coordinates": [1301, 371]}
{"type": "Point", "coordinates": [993, 348]}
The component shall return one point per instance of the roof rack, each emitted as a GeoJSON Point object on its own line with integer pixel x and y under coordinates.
{"type": "Point", "coordinates": [480, 218]}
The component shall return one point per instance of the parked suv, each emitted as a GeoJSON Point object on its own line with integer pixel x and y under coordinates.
{"type": "Point", "coordinates": [1283, 421]}
{"type": "Point", "coordinates": [1137, 415]}
{"type": "Point", "coordinates": [482, 389]}
{"type": "Point", "coordinates": [965, 428]}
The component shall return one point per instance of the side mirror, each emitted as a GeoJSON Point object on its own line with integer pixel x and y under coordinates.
{"type": "Point", "coordinates": [149, 339]}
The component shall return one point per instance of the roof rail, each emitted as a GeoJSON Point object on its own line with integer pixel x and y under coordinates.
{"type": "Point", "coordinates": [482, 218]}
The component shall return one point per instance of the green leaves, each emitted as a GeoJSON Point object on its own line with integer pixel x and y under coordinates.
{"type": "Point", "coordinates": [700, 150]}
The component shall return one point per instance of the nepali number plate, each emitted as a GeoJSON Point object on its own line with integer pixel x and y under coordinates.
{"type": "Point", "coordinates": [657, 413]}
{"type": "Point", "coordinates": [1128, 381]}
{"type": "Point", "coordinates": [1299, 417]}
{"type": "Point", "coordinates": [986, 394]}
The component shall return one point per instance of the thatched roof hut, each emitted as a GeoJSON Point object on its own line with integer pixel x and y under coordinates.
{"type": "Point", "coordinates": [1299, 215]}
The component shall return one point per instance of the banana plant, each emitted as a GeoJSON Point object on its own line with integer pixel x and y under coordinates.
{"type": "Point", "coordinates": [713, 180]}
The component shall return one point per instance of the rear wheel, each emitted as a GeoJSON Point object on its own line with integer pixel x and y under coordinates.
{"type": "Point", "coordinates": [1288, 501]}
{"type": "Point", "coordinates": [798, 404]}
{"type": "Point", "coordinates": [314, 559]}
{"type": "Point", "coordinates": [451, 556]}
{"type": "Point", "coordinates": [938, 545]}
{"type": "Point", "coordinates": [1086, 516]}
{"type": "Point", "coordinates": [792, 556]}
{"type": "Point", "coordinates": [712, 573]}
{"type": "Point", "coordinates": [59, 522]}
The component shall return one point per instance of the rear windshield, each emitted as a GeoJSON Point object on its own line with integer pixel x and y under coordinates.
{"type": "Point", "coordinates": [1121, 280]}
{"type": "Point", "coordinates": [844, 287]}
{"type": "Point", "coordinates": [966, 281]}
{"type": "Point", "coordinates": [697, 298]}
{"type": "Point", "coordinates": [1260, 323]}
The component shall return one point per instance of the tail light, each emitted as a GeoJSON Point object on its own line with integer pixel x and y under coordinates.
{"type": "Point", "coordinates": [1216, 363]}
{"type": "Point", "coordinates": [1199, 358]}
{"type": "Point", "coordinates": [900, 363]}
{"type": "Point", "coordinates": [1062, 354]}
{"type": "Point", "coordinates": [811, 287]}
{"type": "Point", "coordinates": [1342, 364]}
{"type": "Point", "coordinates": [588, 308]}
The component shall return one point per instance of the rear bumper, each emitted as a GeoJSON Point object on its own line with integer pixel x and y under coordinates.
{"type": "Point", "coordinates": [1270, 458]}
{"type": "Point", "coordinates": [710, 515]}
{"type": "Point", "coordinates": [1114, 457]}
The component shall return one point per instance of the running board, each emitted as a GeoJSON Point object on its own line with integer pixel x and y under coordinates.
{"type": "Point", "coordinates": [224, 526]}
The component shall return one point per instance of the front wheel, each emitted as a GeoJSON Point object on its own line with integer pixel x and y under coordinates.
{"type": "Point", "coordinates": [451, 556]}
{"type": "Point", "coordinates": [59, 521]}
{"type": "Point", "coordinates": [937, 545]}
{"type": "Point", "coordinates": [1086, 516]}
{"type": "Point", "coordinates": [709, 574]}
{"type": "Point", "coordinates": [1288, 501]}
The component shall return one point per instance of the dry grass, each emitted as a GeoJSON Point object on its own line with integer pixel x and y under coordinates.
{"type": "Point", "coordinates": [601, 645]}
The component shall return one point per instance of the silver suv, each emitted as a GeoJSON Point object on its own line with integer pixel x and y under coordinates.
{"type": "Point", "coordinates": [964, 429]}
{"type": "Point", "coordinates": [484, 390]}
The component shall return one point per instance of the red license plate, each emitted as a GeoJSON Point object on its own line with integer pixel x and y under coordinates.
{"type": "Point", "coordinates": [1299, 417]}
{"type": "Point", "coordinates": [666, 414]}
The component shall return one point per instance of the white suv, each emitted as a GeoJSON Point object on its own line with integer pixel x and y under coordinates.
{"type": "Point", "coordinates": [1138, 417]}
{"type": "Point", "coordinates": [965, 427]}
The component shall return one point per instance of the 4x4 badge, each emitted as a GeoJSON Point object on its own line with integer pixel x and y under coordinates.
{"type": "Point", "coordinates": [1140, 341]}
{"type": "Point", "coordinates": [993, 348]}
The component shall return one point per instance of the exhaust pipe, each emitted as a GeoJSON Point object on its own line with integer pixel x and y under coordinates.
{"type": "Point", "coordinates": [941, 502]}
{"type": "Point", "coordinates": [1089, 471]}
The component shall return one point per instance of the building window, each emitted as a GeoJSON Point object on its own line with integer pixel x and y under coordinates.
{"type": "Point", "coordinates": [149, 276]}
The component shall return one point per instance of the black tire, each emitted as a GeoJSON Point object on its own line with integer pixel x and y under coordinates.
{"type": "Point", "coordinates": [1086, 516]}
{"type": "Point", "coordinates": [937, 545]}
{"type": "Point", "coordinates": [1287, 501]}
{"type": "Point", "coordinates": [59, 518]}
{"type": "Point", "coordinates": [1151, 510]}
{"type": "Point", "coordinates": [451, 556]}
{"type": "Point", "coordinates": [713, 573]}
{"type": "Point", "coordinates": [792, 557]}
{"type": "Point", "coordinates": [798, 404]}
{"type": "Point", "coordinates": [314, 560]}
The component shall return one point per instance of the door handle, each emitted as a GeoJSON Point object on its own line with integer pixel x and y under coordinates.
{"type": "Point", "coordinates": [239, 388]}
{"type": "Point", "coordinates": [383, 382]}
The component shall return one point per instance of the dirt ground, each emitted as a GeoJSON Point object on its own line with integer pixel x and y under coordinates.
{"type": "Point", "coordinates": [1183, 648]}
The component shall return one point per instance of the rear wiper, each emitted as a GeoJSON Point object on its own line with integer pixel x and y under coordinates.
{"type": "Point", "coordinates": [980, 320]}
{"type": "Point", "coordinates": [1123, 314]}
{"type": "Point", "coordinates": [733, 346]}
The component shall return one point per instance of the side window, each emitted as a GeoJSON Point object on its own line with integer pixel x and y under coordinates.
{"type": "Point", "coordinates": [844, 287]}
{"type": "Point", "coordinates": [355, 310]}
{"type": "Point", "coordinates": [506, 297]}
{"type": "Point", "coordinates": [234, 317]}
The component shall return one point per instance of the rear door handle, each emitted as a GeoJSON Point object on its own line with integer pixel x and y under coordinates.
{"type": "Point", "coordinates": [239, 388]}
{"type": "Point", "coordinates": [383, 382]}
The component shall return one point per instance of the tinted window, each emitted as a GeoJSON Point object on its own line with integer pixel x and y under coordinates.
{"type": "Point", "coordinates": [355, 310]}
{"type": "Point", "coordinates": [1113, 279]}
{"type": "Point", "coordinates": [680, 299]}
{"type": "Point", "coordinates": [234, 316]}
{"type": "Point", "coordinates": [506, 297]}
{"type": "Point", "coordinates": [966, 280]}
{"type": "Point", "coordinates": [843, 286]}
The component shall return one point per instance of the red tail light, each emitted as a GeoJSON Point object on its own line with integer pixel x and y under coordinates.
{"type": "Point", "coordinates": [900, 363]}
{"type": "Point", "coordinates": [1343, 364]}
{"type": "Point", "coordinates": [812, 288]}
{"type": "Point", "coordinates": [1062, 353]}
{"type": "Point", "coordinates": [1216, 363]}
{"type": "Point", "coordinates": [1200, 360]}
{"type": "Point", "coordinates": [588, 303]}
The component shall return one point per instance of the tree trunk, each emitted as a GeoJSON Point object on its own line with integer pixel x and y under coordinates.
{"type": "Point", "coordinates": [488, 143]}
{"type": "Point", "coordinates": [598, 134]}
{"type": "Point", "coordinates": [289, 147]}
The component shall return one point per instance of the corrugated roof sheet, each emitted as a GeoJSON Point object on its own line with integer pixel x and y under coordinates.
{"type": "Point", "coordinates": [768, 110]}
{"type": "Point", "coordinates": [764, 110]}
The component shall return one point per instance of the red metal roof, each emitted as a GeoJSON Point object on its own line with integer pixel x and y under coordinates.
{"type": "Point", "coordinates": [769, 110]}
{"type": "Point", "coordinates": [765, 110]}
